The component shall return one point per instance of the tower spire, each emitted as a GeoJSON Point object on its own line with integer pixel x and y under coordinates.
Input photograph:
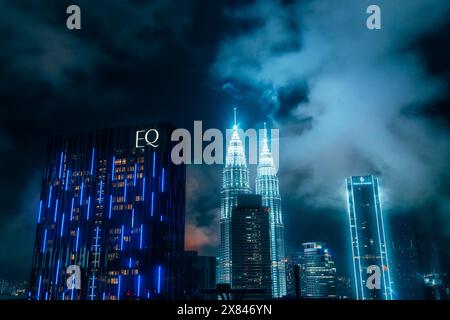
{"type": "Point", "coordinates": [235, 121]}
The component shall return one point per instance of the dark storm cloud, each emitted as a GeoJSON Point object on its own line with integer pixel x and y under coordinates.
{"type": "Point", "coordinates": [366, 106]}
{"type": "Point", "coordinates": [358, 81]}
{"type": "Point", "coordinates": [132, 62]}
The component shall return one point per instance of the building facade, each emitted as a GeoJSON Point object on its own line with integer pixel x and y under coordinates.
{"type": "Point", "coordinates": [250, 246]}
{"type": "Point", "coordinates": [199, 273]}
{"type": "Point", "coordinates": [235, 181]}
{"type": "Point", "coordinates": [267, 186]}
{"type": "Point", "coordinates": [368, 239]}
{"type": "Point", "coordinates": [111, 212]}
{"type": "Point", "coordinates": [317, 272]}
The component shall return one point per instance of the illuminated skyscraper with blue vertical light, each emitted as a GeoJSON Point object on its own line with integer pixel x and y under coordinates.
{"type": "Point", "coordinates": [368, 238]}
{"type": "Point", "coordinates": [235, 181]}
{"type": "Point", "coordinates": [267, 186]}
{"type": "Point", "coordinates": [112, 203]}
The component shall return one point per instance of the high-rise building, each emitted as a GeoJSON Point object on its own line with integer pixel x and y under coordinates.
{"type": "Point", "coordinates": [199, 272]}
{"type": "Point", "coordinates": [405, 262]}
{"type": "Point", "coordinates": [317, 272]}
{"type": "Point", "coordinates": [368, 239]}
{"type": "Point", "coordinates": [235, 181]}
{"type": "Point", "coordinates": [267, 186]}
{"type": "Point", "coordinates": [250, 246]}
{"type": "Point", "coordinates": [111, 211]}
{"type": "Point", "coordinates": [293, 276]}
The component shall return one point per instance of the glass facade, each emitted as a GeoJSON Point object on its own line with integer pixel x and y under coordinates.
{"type": "Point", "coordinates": [115, 210]}
{"type": "Point", "coordinates": [368, 238]}
{"type": "Point", "coordinates": [235, 181]}
{"type": "Point", "coordinates": [317, 272]}
{"type": "Point", "coordinates": [250, 244]}
{"type": "Point", "coordinates": [267, 186]}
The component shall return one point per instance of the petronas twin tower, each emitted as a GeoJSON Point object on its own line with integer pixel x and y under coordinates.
{"type": "Point", "coordinates": [236, 181]}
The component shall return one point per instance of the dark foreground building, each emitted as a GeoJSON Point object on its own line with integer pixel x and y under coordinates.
{"type": "Point", "coordinates": [199, 273]}
{"type": "Point", "coordinates": [112, 207]}
{"type": "Point", "coordinates": [250, 246]}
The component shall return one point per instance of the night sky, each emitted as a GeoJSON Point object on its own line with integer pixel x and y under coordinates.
{"type": "Point", "coordinates": [347, 101]}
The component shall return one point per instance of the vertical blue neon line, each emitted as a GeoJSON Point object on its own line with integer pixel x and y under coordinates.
{"type": "Point", "coordinates": [100, 192]}
{"type": "Point", "coordinates": [135, 173]}
{"type": "Point", "coordinates": [66, 187]}
{"type": "Point", "coordinates": [50, 196]}
{"type": "Point", "coordinates": [159, 279]}
{"type": "Point", "coordinates": [160, 218]}
{"type": "Point", "coordinates": [71, 294]}
{"type": "Point", "coordinates": [88, 208]}
{"type": "Point", "coordinates": [154, 164]}
{"type": "Point", "coordinates": [63, 295]}
{"type": "Point", "coordinates": [40, 211]}
{"type": "Point", "coordinates": [57, 272]}
{"type": "Point", "coordinates": [151, 205]}
{"type": "Point", "coordinates": [113, 168]}
{"type": "Point", "coordinates": [92, 289]}
{"type": "Point", "coordinates": [103, 296]}
{"type": "Point", "coordinates": [140, 237]}
{"type": "Point", "coordinates": [60, 164]}
{"type": "Point", "coordinates": [56, 211]}
{"type": "Point", "coordinates": [81, 193]}
{"type": "Point", "coordinates": [143, 189]}
{"type": "Point", "coordinates": [92, 161]}
{"type": "Point", "coordinates": [71, 209]}
{"type": "Point", "coordinates": [45, 241]}
{"type": "Point", "coordinates": [46, 295]}
{"type": "Point", "coordinates": [118, 287]}
{"type": "Point", "coordinates": [110, 206]}
{"type": "Point", "coordinates": [162, 180]}
{"type": "Point", "coordinates": [132, 218]}
{"type": "Point", "coordinates": [39, 288]}
{"type": "Point", "coordinates": [121, 239]}
{"type": "Point", "coordinates": [125, 191]}
{"type": "Point", "coordinates": [78, 237]}
{"type": "Point", "coordinates": [129, 263]}
{"type": "Point", "coordinates": [62, 224]}
{"type": "Point", "coordinates": [139, 286]}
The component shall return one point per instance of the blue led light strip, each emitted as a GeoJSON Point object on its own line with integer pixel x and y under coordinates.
{"type": "Point", "coordinates": [81, 193]}
{"type": "Point", "coordinates": [92, 289]}
{"type": "Point", "coordinates": [121, 239]}
{"type": "Point", "coordinates": [71, 209]}
{"type": "Point", "coordinates": [125, 191]}
{"type": "Point", "coordinates": [78, 237]}
{"type": "Point", "coordinates": [40, 211]}
{"type": "Point", "coordinates": [55, 216]}
{"type": "Point", "coordinates": [66, 187]}
{"type": "Point", "coordinates": [151, 205]}
{"type": "Point", "coordinates": [132, 218]}
{"type": "Point", "coordinates": [118, 287]}
{"type": "Point", "coordinates": [113, 168]}
{"type": "Point", "coordinates": [39, 288]}
{"type": "Point", "coordinates": [50, 196]}
{"type": "Point", "coordinates": [88, 208]}
{"type": "Point", "coordinates": [135, 173]}
{"type": "Point", "coordinates": [110, 206]}
{"type": "Point", "coordinates": [62, 224]}
{"type": "Point", "coordinates": [162, 180]}
{"type": "Point", "coordinates": [45, 241]}
{"type": "Point", "coordinates": [154, 164]}
{"type": "Point", "coordinates": [92, 161]}
{"type": "Point", "coordinates": [159, 279]}
{"type": "Point", "coordinates": [139, 286]}
{"type": "Point", "coordinates": [60, 164]}
{"type": "Point", "coordinates": [100, 192]}
{"type": "Point", "coordinates": [57, 272]}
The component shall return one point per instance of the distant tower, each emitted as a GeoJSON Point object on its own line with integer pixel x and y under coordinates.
{"type": "Point", "coordinates": [235, 181]}
{"type": "Point", "coordinates": [267, 187]}
{"type": "Point", "coordinates": [318, 274]}
{"type": "Point", "coordinates": [368, 238]}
